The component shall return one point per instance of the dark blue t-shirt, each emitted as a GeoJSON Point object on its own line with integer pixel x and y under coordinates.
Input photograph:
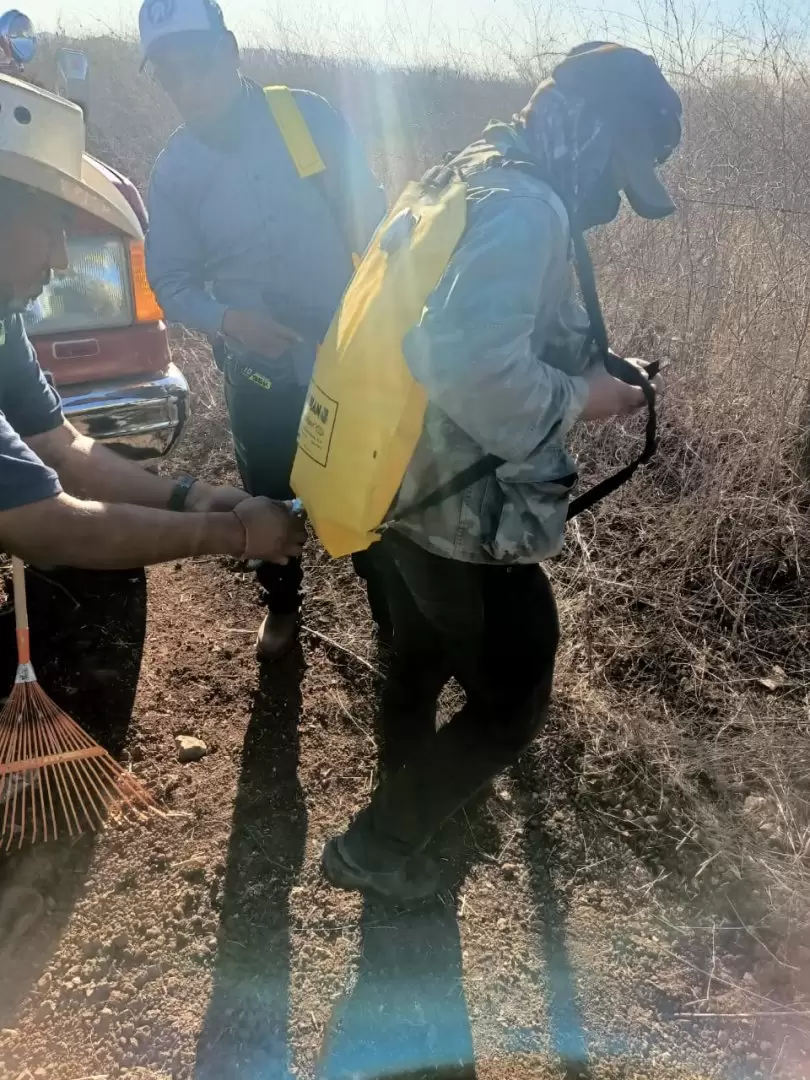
{"type": "Point", "coordinates": [28, 406]}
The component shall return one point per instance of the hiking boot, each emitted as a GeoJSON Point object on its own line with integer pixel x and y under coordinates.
{"type": "Point", "coordinates": [278, 634]}
{"type": "Point", "coordinates": [408, 881]}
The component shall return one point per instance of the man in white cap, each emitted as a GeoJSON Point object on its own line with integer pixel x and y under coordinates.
{"type": "Point", "coordinates": [252, 251]}
{"type": "Point", "coordinates": [65, 499]}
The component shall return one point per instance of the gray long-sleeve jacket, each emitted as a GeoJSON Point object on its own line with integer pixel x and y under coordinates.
{"type": "Point", "coordinates": [501, 351]}
{"type": "Point", "coordinates": [231, 224]}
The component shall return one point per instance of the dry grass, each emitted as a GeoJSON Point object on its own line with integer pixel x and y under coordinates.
{"type": "Point", "coordinates": [685, 600]}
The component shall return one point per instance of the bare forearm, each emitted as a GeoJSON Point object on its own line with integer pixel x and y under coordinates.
{"type": "Point", "coordinates": [89, 470]}
{"type": "Point", "coordinates": [106, 536]}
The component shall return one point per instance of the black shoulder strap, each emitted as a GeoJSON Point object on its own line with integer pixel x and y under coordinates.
{"type": "Point", "coordinates": [619, 368]}
{"type": "Point", "coordinates": [484, 466]}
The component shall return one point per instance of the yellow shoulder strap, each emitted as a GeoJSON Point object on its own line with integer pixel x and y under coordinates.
{"type": "Point", "coordinates": [294, 131]}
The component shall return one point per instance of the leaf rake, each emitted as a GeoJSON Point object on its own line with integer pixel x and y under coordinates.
{"type": "Point", "coordinates": [52, 774]}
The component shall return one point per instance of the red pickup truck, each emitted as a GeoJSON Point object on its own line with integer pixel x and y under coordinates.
{"type": "Point", "coordinates": [98, 328]}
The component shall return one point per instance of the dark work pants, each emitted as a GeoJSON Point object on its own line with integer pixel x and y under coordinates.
{"type": "Point", "coordinates": [264, 421]}
{"type": "Point", "coordinates": [496, 630]}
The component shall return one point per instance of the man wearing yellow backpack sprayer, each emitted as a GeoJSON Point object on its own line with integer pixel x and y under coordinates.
{"type": "Point", "coordinates": [436, 423]}
{"type": "Point", "coordinates": [257, 205]}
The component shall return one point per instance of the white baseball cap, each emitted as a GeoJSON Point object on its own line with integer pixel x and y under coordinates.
{"type": "Point", "coordinates": [160, 18]}
{"type": "Point", "coordinates": [42, 147]}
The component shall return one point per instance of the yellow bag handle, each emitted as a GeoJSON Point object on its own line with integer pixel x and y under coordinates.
{"type": "Point", "coordinates": [294, 131]}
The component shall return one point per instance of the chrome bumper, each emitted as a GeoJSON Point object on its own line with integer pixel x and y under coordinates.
{"type": "Point", "coordinates": [140, 417]}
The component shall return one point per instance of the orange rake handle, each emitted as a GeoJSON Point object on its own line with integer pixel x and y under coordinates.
{"type": "Point", "coordinates": [21, 615]}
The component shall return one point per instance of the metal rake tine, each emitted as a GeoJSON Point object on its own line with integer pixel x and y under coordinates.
{"type": "Point", "coordinates": [130, 789]}
{"type": "Point", "coordinates": [43, 747]}
{"type": "Point", "coordinates": [23, 659]}
{"type": "Point", "coordinates": [85, 773]}
{"type": "Point", "coordinates": [67, 790]}
{"type": "Point", "coordinates": [50, 745]}
{"type": "Point", "coordinates": [58, 769]}
{"type": "Point", "coordinates": [36, 737]}
{"type": "Point", "coordinates": [11, 801]}
{"type": "Point", "coordinates": [39, 750]}
{"type": "Point", "coordinates": [6, 731]}
{"type": "Point", "coordinates": [103, 782]}
{"type": "Point", "coordinates": [80, 776]}
{"type": "Point", "coordinates": [133, 797]}
{"type": "Point", "coordinates": [21, 783]}
{"type": "Point", "coordinates": [119, 778]}
{"type": "Point", "coordinates": [105, 774]}
{"type": "Point", "coordinates": [77, 779]}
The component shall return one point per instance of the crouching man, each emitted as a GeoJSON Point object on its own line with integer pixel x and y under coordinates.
{"type": "Point", "coordinates": [65, 499]}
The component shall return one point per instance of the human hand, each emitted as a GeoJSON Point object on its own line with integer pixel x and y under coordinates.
{"type": "Point", "coordinates": [273, 533]}
{"type": "Point", "coordinates": [210, 498]}
{"type": "Point", "coordinates": [608, 396]}
{"type": "Point", "coordinates": [259, 333]}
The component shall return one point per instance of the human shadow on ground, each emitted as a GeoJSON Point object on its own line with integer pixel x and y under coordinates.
{"type": "Point", "coordinates": [553, 855]}
{"type": "Point", "coordinates": [87, 636]}
{"type": "Point", "coordinates": [538, 772]}
{"type": "Point", "coordinates": [568, 1040]}
{"type": "Point", "coordinates": [245, 1032]}
{"type": "Point", "coordinates": [640, 837]}
{"type": "Point", "coordinates": [405, 1015]}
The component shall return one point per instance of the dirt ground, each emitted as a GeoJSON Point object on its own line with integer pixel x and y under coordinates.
{"type": "Point", "coordinates": [583, 934]}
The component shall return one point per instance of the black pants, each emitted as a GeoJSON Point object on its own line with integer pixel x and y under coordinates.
{"type": "Point", "coordinates": [264, 413]}
{"type": "Point", "coordinates": [496, 630]}
{"type": "Point", "coordinates": [264, 421]}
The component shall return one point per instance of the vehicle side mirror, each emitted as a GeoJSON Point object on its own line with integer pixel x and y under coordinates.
{"type": "Point", "coordinates": [17, 38]}
{"type": "Point", "coordinates": [73, 77]}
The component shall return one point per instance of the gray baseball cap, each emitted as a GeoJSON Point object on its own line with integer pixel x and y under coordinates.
{"type": "Point", "coordinates": [160, 19]}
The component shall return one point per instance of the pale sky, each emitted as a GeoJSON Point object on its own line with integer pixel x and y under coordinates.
{"type": "Point", "coordinates": [429, 30]}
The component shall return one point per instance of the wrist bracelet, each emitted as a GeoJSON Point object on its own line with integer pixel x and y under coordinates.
{"type": "Point", "coordinates": [179, 495]}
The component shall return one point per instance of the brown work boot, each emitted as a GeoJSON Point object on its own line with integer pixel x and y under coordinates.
{"type": "Point", "coordinates": [277, 636]}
